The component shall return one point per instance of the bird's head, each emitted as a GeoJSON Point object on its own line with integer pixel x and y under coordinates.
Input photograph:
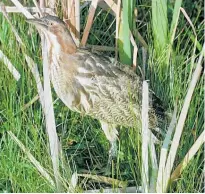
{"type": "Point", "coordinates": [55, 31]}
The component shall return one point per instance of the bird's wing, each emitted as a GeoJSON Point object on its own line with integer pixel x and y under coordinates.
{"type": "Point", "coordinates": [105, 90]}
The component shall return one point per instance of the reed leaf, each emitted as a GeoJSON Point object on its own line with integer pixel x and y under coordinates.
{"type": "Point", "coordinates": [159, 24]}
{"type": "Point", "coordinates": [126, 25]}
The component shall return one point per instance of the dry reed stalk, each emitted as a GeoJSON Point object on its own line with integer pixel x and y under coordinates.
{"type": "Point", "coordinates": [189, 20]}
{"type": "Point", "coordinates": [68, 7]}
{"type": "Point", "coordinates": [144, 59]}
{"type": "Point", "coordinates": [10, 66]}
{"type": "Point", "coordinates": [106, 7]}
{"type": "Point", "coordinates": [140, 38]}
{"type": "Point", "coordinates": [154, 165]}
{"type": "Point", "coordinates": [42, 4]}
{"type": "Point", "coordinates": [49, 115]}
{"type": "Point", "coordinates": [34, 99]}
{"type": "Point", "coordinates": [112, 5]}
{"type": "Point", "coordinates": [148, 139]}
{"type": "Point", "coordinates": [38, 166]}
{"type": "Point", "coordinates": [77, 19]}
{"type": "Point", "coordinates": [91, 14]}
{"type": "Point", "coordinates": [71, 18]}
{"type": "Point", "coordinates": [22, 9]}
{"type": "Point", "coordinates": [46, 101]}
{"type": "Point", "coordinates": [12, 27]}
{"type": "Point", "coordinates": [181, 121]}
{"type": "Point", "coordinates": [164, 151]}
{"type": "Point", "coordinates": [116, 190]}
{"type": "Point", "coordinates": [134, 52]}
{"type": "Point", "coordinates": [71, 14]}
{"type": "Point", "coordinates": [145, 137]}
{"type": "Point", "coordinates": [85, 4]}
{"type": "Point", "coordinates": [118, 11]}
{"type": "Point", "coordinates": [51, 4]}
{"type": "Point", "coordinates": [34, 70]}
{"type": "Point", "coordinates": [100, 48]}
{"type": "Point", "coordinates": [104, 179]}
{"type": "Point", "coordinates": [10, 9]}
{"type": "Point", "coordinates": [190, 154]}
{"type": "Point", "coordinates": [31, 64]}
{"type": "Point", "coordinates": [38, 8]}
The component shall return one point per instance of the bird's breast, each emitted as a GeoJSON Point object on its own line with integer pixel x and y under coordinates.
{"type": "Point", "coordinates": [69, 86]}
{"type": "Point", "coordinates": [61, 82]}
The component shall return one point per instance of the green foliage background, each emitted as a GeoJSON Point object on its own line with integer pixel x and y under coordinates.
{"type": "Point", "coordinates": [83, 141]}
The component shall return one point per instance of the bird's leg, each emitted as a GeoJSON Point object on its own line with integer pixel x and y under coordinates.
{"type": "Point", "coordinates": [112, 155]}
{"type": "Point", "coordinates": [111, 134]}
{"type": "Point", "coordinates": [112, 152]}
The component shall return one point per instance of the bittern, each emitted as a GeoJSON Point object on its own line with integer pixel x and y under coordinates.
{"type": "Point", "coordinates": [92, 84]}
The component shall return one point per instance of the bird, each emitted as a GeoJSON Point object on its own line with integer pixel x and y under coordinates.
{"type": "Point", "coordinates": [93, 84]}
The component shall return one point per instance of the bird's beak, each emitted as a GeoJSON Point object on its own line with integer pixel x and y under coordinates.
{"type": "Point", "coordinates": [39, 23]}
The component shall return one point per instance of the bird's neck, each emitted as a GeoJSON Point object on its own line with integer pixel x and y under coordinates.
{"type": "Point", "coordinates": [62, 43]}
{"type": "Point", "coordinates": [66, 42]}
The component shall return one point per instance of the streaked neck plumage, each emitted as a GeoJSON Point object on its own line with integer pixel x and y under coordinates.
{"type": "Point", "coordinates": [61, 42]}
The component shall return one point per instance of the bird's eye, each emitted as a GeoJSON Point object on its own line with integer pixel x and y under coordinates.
{"type": "Point", "coordinates": [50, 23]}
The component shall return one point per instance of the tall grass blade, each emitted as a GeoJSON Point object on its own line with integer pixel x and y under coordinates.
{"type": "Point", "coordinates": [47, 104]}
{"type": "Point", "coordinates": [12, 27]}
{"type": "Point", "coordinates": [159, 24]}
{"type": "Point", "coordinates": [126, 25]}
{"type": "Point", "coordinates": [33, 67]}
{"type": "Point", "coordinates": [173, 28]}
{"type": "Point", "coordinates": [181, 121]}
{"type": "Point", "coordinates": [175, 20]}
{"type": "Point", "coordinates": [190, 154]}
{"type": "Point", "coordinates": [36, 163]}
{"type": "Point", "coordinates": [10, 66]}
{"type": "Point", "coordinates": [189, 20]}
